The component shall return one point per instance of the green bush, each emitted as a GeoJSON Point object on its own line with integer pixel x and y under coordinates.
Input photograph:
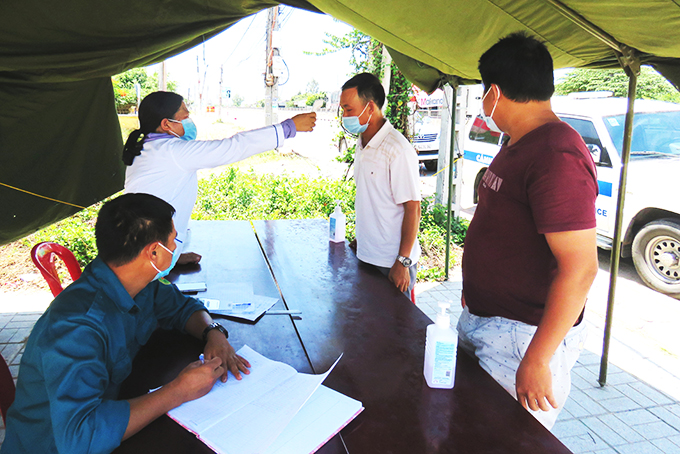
{"type": "Point", "coordinates": [241, 195]}
{"type": "Point", "coordinates": [433, 217]}
{"type": "Point", "coordinates": [432, 236]}
{"type": "Point", "coordinates": [76, 233]}
{"type": "Point", "coordinates": [236, 195]}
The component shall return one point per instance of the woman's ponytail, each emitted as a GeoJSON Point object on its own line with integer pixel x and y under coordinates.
{"type": "Point", "coordinates": [133, 146]}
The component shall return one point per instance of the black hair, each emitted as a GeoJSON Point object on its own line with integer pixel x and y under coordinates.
{"type": "Point", "coordinates": [128, 223]}
{"type": "Point", "coordinates": [152, 110]}
{"type": "Point", "coordinates": [368, 88]}
{"type": "Point", "coordinates": [521, 66]}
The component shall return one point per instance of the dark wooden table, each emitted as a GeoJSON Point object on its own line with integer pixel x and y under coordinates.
{"type": "Point", "coordinates": [352, 308]}
{"type": "Point", "coordinates": [346, 307]}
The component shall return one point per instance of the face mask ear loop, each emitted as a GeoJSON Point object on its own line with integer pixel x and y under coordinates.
{"type": "Point", "coordinates": [369, 117]}
{"type": "Point", "coordinates": [168, 250]}
{"type": "Point", "coordinates": [495, 104]}
{"type": "Point", "coordinates": [173, 132]}
{"type": "Point", "coordinates": [154, 267]}
{"type": "Point", "coordinates": [362, 112]}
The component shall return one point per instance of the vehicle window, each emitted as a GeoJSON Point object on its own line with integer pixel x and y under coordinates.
{"type": "Point", "coordinates": [654, 133]}
{"type": "Point", "coordinates": [480, 132]}
{"type": "Point", "coordinates": [587, 130]}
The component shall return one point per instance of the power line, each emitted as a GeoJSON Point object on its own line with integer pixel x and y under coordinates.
{"type": "Point", "coordinates": [239, 41]}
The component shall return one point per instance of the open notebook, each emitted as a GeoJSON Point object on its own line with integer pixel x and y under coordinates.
{"type": "Point", "coordinates": [273, 410]}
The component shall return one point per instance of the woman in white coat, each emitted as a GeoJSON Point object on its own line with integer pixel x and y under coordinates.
{"type": "Point", "coordinates": [163, 157]}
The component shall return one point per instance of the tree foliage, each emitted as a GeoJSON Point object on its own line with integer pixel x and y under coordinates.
{"type": "Point", "coordinates": [312, 86]}
{"type": "Point", "coordinates": [362, 48]}
{"type": "Point", "coordinates": [237, 100]}
{"type": "Point", "coordinates": [650, 85]}
{"type": "Point", "coordinates": [398, 110]}
{"type": "Point", "coordinates": [307, 98]}
{"type": "Point", "coordinates": [124, 87]}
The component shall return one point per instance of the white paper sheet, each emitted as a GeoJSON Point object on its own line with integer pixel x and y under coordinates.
{"type": "Point", "coordinates": [323, 416]}
{"type": "Point", "coordinates": [226, 398]}
{"type": "Point", "coordinates": [238, 301]}
{"type": "Point", "coordinates": [246, 416]}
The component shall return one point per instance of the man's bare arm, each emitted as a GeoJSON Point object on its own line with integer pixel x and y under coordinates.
{"type": "Point", "coordinates": [399, 274]}
{"type": "Point", "coordinates": [576, 255]}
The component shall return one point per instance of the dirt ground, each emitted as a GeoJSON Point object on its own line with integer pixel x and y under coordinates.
{"type": "Point", "coordinates": [17, 271]}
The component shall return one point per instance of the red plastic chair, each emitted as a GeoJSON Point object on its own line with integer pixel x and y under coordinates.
{"type": "Point", "coordinates": [6, 389]}
{"type": "Point", "coordinates": [44, 255]}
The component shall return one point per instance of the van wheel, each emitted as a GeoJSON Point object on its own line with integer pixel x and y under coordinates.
{"type": "Point", "coordinates": [656, 255]}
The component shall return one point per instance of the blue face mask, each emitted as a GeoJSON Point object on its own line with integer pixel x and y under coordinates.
{"type": "Point", "coordinates": [190, 131]}
{"type": "Point", "coordinates": [353, 125]}
{"type": "Point", "coordinates": [489, 119]}
{"type": "Point", "coordinates": [175, 256]}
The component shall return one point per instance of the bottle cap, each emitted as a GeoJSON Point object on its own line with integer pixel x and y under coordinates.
{"type": "Point", "coordinates": [443, 318]}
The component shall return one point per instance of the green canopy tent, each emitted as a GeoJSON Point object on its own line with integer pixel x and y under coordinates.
{"type": "Point", "coordinates": [59, 137]}
{"type": "Point", "coordinates": [60, 141]}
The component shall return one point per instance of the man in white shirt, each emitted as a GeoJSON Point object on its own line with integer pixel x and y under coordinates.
{"type": "Point", "coordinates": [386, 174]}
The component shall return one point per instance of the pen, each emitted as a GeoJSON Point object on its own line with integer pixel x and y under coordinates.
{"type": "Point", "coordinates": [293, 312]}
{"type": "Point", "coordinates": [202, 358]}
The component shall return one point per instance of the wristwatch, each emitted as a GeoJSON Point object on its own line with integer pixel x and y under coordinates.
{"type": "Point", "coordinates": [212, 326]}
{"type": "Point", "coordinates": [406, 261]}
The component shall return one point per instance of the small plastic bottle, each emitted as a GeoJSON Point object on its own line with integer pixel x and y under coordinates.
{"type": "Point", "coordinates": [337, 224]}
{"type": "Point", "coordinates": [440, 351]}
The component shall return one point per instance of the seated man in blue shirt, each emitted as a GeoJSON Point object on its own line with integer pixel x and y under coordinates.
{"type": "Point", "coordinates": [82, 347]}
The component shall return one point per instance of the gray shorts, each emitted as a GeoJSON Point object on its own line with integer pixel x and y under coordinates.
{"type": "Point", "coordinates": [500, 345]}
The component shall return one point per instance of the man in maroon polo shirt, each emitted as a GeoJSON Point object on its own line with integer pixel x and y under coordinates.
{"type": "Point", "coordinates": [530, 252]}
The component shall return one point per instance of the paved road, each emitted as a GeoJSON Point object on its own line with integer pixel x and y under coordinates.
{"type": "Point", "coordinates": [644, 325]}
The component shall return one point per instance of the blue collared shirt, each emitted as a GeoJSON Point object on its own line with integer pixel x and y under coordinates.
{"type": "Point", "coordinates": [76, 357]}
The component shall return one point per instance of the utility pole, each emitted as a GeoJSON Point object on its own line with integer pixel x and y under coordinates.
{"type": "Point", "coordinates": [219, 107]}
{"type": "Point", "coordinates": [163, 80]}
{"type": "Point", "coordinates": [199, 88]}
{"type": "Point", "coordinates": [271, 91]}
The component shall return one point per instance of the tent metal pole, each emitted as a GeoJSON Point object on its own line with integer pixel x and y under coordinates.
{"type": "Point", "coordinates": [452, 146]}
{"type": "Point", "coordinates": [630, 61]}
{"type": "Point", "coordinates": [632, 69]}
{"type": "Point", "coordinates": [585, 24]}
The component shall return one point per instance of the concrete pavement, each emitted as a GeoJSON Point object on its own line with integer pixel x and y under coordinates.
{"type": "Point", "coordinates": [638, 411]}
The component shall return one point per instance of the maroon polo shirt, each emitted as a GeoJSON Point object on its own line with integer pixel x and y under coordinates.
{"type": "Point", "coordinates": [545, 182]}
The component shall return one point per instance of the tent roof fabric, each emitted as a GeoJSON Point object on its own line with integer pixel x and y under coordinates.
{"type": "Point", "coordinates": [59, 135]}
{"type": "Point", "coordinates": [448, 36]}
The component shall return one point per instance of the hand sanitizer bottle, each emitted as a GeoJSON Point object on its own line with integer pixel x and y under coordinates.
{"type": "Point", "coordinates": [440, 351]}
{"type": "Point", "coordinates": [337, 224]}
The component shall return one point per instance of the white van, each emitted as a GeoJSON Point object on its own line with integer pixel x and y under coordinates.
{"type": "Point", "coordinates": [426, 122]}
{"type": "Point", "coordinates": [651, 217]}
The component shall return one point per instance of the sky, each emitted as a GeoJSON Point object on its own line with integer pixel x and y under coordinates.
{"type": "Point", "coordinates": [241, 52]}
